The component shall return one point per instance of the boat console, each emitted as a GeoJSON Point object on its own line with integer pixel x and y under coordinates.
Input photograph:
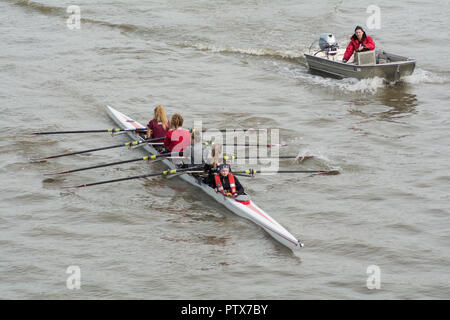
{"type": "Point", "coordinates": [365, 58]}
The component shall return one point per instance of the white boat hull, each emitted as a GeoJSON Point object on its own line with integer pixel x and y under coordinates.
{"type": "Point", "coordinates": [249, 211]}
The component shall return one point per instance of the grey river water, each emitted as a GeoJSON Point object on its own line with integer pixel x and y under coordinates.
{"type": "Point", "coordinates": [230, 64]}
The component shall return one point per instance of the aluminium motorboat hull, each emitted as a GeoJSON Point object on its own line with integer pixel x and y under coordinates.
{"type": "Point", "coordinates": [390, 67]}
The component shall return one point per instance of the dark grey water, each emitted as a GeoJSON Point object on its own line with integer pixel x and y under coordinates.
{"type": "Point", "coordinates": [227, 63]}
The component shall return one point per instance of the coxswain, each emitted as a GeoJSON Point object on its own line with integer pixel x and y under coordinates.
{"type": "Point", "coordinates": [358, 42]}
{"type": "Point", "coordinates": [226, 183]}
{"type": "Point", "coordinates": [159, 126]}
{"type": "Point", "coordinates": [177, 139]}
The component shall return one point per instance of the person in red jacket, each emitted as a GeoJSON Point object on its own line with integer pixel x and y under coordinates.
{"type": "Point", "coordinates": [358, 42]}
{"type": "Point", "coordinates": [226, 183]}
{"type": "Point", "coordinates": [177, 139]}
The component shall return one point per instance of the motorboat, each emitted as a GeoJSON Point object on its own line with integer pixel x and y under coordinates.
{"type": "Point", "coordinates": [327, 60]}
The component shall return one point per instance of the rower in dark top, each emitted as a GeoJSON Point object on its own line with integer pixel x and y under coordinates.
{"type": "Point", "coordinates": [212, 163]}
{"type": "Point", "coordinates": [159, 126]}
{"type": "Point", "coordinates": [226, 183]}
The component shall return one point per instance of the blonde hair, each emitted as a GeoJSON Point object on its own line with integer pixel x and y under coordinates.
{"type": "Point", "coordinates": [196, 137]}
{"type": "Point", "coordinates": [177, 120]}
{"type": "Point", "coordinates": [217, 155]}
{"type": "Point", "coordinates": [160, 116]}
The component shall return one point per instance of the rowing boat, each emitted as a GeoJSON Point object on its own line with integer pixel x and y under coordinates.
{"type": "Point", "coordinates": [246, 209]}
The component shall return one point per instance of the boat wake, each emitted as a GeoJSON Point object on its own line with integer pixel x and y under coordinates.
{"type": "Point", "coordinates": [352, 85]}
{"type": "Point", "coordinates": [424, 76]}
{"type": "Point", "coordinates": [368, 86]}
{"type": "Point", "coordinates": [280, 53]}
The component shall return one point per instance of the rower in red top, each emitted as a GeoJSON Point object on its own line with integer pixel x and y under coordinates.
{"type": "Point", "coordinates": [226, 183]}
{"type": "Point", "coordinates": [159, 126]}
{"type": "Point", "coordinates": [177, 139]}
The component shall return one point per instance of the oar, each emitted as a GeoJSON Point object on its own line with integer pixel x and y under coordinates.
{"type": "Point", "coordinates": [164, 173]}
{"type": "Point", "coordinates": [126, 144]}
{"type": "Point", "coordinates": [161, 156]}
{"type": "Point", "coordinates": [112, 130]}
{"type": "Point", "coordinates": [229, 130]}
{"type": "Point", "coordinates": [280, 157]}
{"type": "Point", "coordinates": [210, 143]}
{"type": "Point", "coordinates": [251, 172]}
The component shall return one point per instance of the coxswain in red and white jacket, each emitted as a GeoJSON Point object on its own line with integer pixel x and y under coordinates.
{"type": "Point", "coordinates": [366, 41]}
{"type": "Point", "coordinates": [228, 185]}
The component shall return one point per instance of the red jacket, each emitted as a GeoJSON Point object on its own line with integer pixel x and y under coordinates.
{"type": "Point", "coordinates": [354, 44]}
{"type": "Point", "coordinates": [231, 183]}
{"type": "Point", "coordinates": [177, 140]}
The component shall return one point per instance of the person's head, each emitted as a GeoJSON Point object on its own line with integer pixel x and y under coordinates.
{"type": "Point", "coordinates": [216, 154]}
{"type": "Point", "coordinates": [359, 32]}
{"type": "Point", "coordinates": [160, 116]}
{"type": "Point", "coordinates": [224, 170]}
{"type": "Point", "coordinates": [177, 121]}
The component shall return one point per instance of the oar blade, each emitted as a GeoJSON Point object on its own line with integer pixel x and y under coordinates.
{"type": "Point", "coordinates": [329, 172]}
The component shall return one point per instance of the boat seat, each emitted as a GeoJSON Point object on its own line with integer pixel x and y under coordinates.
{"type": "Point", "coordinates": [365, 58]}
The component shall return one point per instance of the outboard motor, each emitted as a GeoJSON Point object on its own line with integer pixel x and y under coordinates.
{"type": "Point", "coordinates": [328, 43]}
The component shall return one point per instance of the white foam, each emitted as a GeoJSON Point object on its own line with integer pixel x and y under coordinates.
{"type": "Point", "coordinates": [370, 86]}
{"type": "Point", "coordinates": [288, 53]}
{"type": "Point", "coordinates": [424, 76]}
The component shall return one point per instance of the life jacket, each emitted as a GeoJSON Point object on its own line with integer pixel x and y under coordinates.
{"type": "Point", "coordinates": [230, 180]}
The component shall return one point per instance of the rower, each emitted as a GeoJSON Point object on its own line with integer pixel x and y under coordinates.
{"type": "Point", "coordinates": [227, 183]}
{"type": "Point", "coordinates": [159, 126]}
{"type": "Point", "coordinates": [197, 153]}
{"type": "Point", "coordinates": [177, 139]}
{"type": "Point", "coordinates": [212, 163]}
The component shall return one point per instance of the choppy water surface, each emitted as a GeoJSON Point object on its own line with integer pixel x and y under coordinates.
{"type": "Point", "coordinates": [230, 64]}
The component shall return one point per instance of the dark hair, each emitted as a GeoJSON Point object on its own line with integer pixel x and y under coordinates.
{"type": "Point", "coordinates": [359, 28]}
